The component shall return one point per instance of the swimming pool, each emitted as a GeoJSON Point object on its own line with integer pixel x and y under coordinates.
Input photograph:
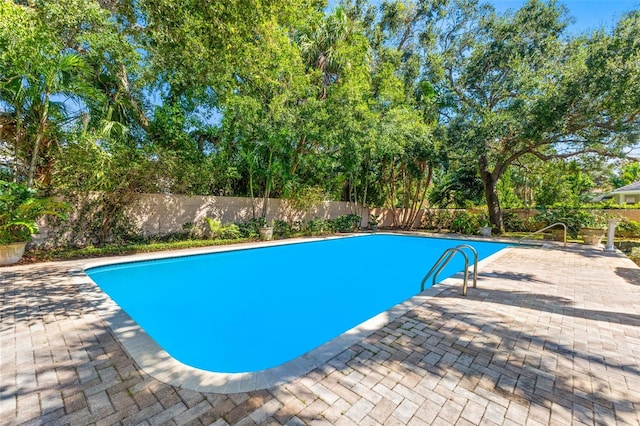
{"type": "Point", "coordinates": [255, 309]}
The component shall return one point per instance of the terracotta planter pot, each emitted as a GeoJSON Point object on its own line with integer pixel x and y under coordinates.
{"type": "Point", "coordinates": [11, 253]}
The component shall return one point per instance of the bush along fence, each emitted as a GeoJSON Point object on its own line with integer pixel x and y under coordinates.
{"type": "Point", "coordinates": [469, 221]}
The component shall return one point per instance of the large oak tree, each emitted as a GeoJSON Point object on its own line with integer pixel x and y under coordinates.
{"type": "Point", "coordinates": [517, 85]}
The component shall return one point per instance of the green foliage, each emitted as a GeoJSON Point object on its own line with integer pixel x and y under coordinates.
{"type": "Point", "coordinates": [307, 198]}
{"type": "Point", "coordinates": [118, 171]}
{"type": "Point", "coordinates": [69, 50]}
{"type": "Point", "coordinates": [280, 99]}
{"type": "Point", "coordinates": [281, 229]}
{"type": "Point", "coordinates": [217, 230]}
{"type": "Point", "coordinates": [506, 193]}
{"type": "Point", "coordinates": [512, 223]}
{"type": "Point", "coordinates": [573, 218]}
{"type": "Point", "coordinates": [230, 232]}
{"type": "Point", "coordinates": [483, 220]}
{"type": "Point", "coordinates": [142, 246]}
{"type": "Point", "coordinates": [457, 187]}
{"type": "Point", "coordinates": [561, 182]}
{"type": "Point", "coordinates": [346, 223]}
{"type": "Point", "coordinates": [250, 228]}
{"type": "Point", "coordinates": [465, 222]}
{"type": "Point", "coordinates": [515, 89]}
{"type": "Point", "coordinates": [93, 221]}
{"type": "Point", "coordinates": [609, 204]}
{"type": "Point", "coordinates": [215, 227]}
{"type": "Point", "coordinates": [20, 209]}
{"type": "Point", "coordinates": [317, 226]}
{"type": "Point", "coordinates": [628, 229]}
{"type": "Point", "coordinates": [630, 173]}
{"type": "Point", "coordinates": [437, 219]}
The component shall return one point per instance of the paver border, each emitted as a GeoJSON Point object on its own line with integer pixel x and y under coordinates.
{"type": "Point", "coordinates": [159, 364]}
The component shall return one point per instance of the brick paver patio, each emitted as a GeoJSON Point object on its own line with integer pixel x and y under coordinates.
{"type": "Point", "coordinates": [550, 336]}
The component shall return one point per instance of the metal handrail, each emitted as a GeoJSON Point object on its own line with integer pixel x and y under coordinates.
{"type": "Point", "coordinates": [564, 238]}
{"type": "Point", "coordinates": [466, 268]}
{"type": "Point", "coordinates": [444, 260]}
{"type": "Point", "coordinates": [475, 261]}
{"type": "Point", "coordinates": [447, 252]}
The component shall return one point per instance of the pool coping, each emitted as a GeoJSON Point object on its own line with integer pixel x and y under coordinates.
{"type": "Point", "coordinates": [159, 364]}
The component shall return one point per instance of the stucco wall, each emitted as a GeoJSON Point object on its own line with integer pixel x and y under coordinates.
{"type": "Point", "coordinates": [631, 214]}
{"type": "Point", "coordinates": [157, 214]}
{"type": "Point", "coordinates": [388, 217]}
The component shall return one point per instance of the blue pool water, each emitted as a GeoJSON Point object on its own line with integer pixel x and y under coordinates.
{"type": "Point", "coordinates": [248, 310]}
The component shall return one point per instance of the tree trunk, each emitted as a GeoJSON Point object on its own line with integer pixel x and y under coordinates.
{"type": "Point", "coordinates": [16, 141]}
{"type": "Point", "coordinates": [140, 117]}
{"type": "Point", "coordinates": [42, 128]}
{"type": "Point", "coordinates": [253, 199]}
{"type": "Point", "coordinates": [267, 186]}
{"type": "Point", "coordinates": [418, 202]}
{"type": "Point", "coordinates": [490, 182]}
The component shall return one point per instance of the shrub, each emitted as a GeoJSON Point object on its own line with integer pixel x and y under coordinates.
{"type": "Point", "coordinates": [573, 218]}
{"type": "Point", "coordinates": [249, 228]}
{"type": "Point", "coordinates": [437, 220]}
{"type": "Point", "coordinates": [513, 223]}
{"type": "Point", "coordinates": [628, 229]}
{"type": "Point", "coordinates": [215, 228]}
{"type": "Point", "coordinates": [346, 223]}
{"type": "Point", "coordinates": [171, 237]}
{"type": "Point", "coordinates": [297, 226]}
{"type": "Point", "coordinates": [230, 232]}
{"type": "Point", "coordinates": [281, 229]}
{"type": "Point", "coordinates": [532, 224]}
{"type": "Point", "coordinates": [20, 209]}
{"type": "Point", "coordinates": [465, 222]}
{"type": "Point", "coordinates": [317, 226]}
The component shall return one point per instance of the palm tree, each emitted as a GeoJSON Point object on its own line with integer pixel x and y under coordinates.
{"type": "Point", "coordinates": [321, 48]}
{"type": "Point", "coordinates": [56, 77]}
{"type": "Point", "coordinates": [34, 100]}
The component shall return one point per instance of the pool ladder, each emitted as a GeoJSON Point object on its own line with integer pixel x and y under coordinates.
{"type": "Point", "coordinates": [444, 261]}
{"type": "Point", "coordinates": [564, 235]}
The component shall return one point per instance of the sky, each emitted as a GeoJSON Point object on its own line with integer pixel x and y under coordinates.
{"type": "Point", "coordinates": [587, 14]}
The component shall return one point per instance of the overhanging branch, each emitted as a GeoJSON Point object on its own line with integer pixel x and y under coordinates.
{"type": "Point", "coordinates": [547, 157]}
